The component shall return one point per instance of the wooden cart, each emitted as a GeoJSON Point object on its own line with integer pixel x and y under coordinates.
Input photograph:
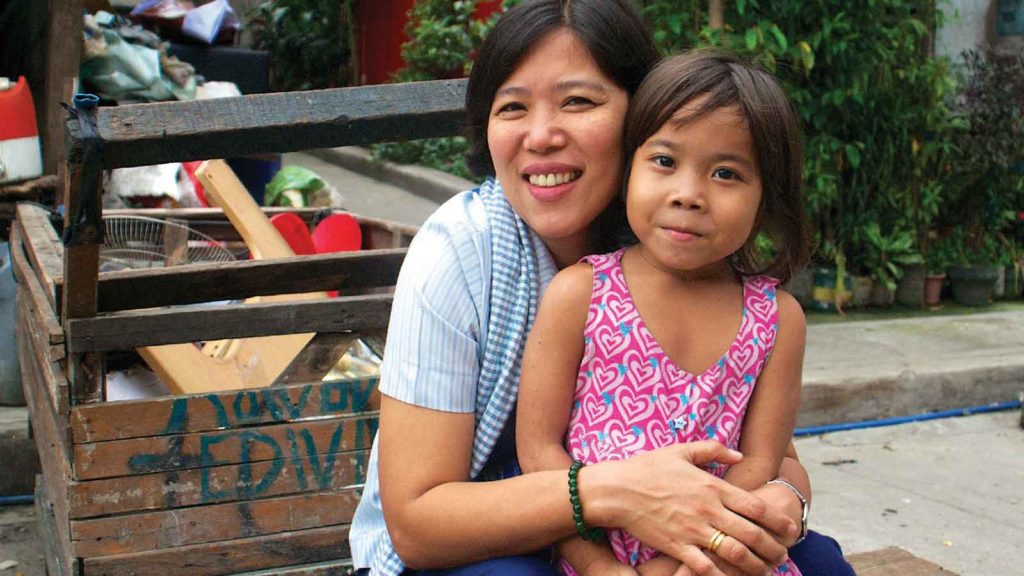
{"type": "Point", "coordinates": [258, 480]}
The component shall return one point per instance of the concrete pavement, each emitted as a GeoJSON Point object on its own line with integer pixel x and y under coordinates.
{"type": "Point", "coordinates": [946, 490]}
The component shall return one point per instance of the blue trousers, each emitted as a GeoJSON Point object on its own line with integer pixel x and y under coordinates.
{"type": "Point", "coordinates": [817, 555]}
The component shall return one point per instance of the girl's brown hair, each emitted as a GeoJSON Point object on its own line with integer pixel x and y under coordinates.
{"type": "Point", "coordinates": [725, 80]}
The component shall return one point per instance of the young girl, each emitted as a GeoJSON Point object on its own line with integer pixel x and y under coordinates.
{"type": "Point", "coordinates": [683, 336]}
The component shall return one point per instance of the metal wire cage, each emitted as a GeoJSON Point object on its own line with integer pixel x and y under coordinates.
{"type": "Point", "coordinates": [144, 242]}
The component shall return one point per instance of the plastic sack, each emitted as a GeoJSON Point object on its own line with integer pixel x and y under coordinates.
{"type": "Point", "coordinates": [211, 23]}
{"type": "Point", "coordinates": [300, 187]}
{"type": "Point", "coordinates": [115, 69]}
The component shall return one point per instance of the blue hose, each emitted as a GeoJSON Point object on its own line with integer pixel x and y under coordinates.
{"type": "Point", "coordinates": [15, 500]}
{"type": "Point", "coordinates": [994, 407]}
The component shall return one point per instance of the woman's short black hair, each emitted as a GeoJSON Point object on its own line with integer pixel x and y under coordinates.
{"type": "Point", "coordinates": [611, 30]}
{"type": "Point", "coordinates": [723, 80]}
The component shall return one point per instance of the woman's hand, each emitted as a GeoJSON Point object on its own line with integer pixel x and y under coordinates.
{"type": "Point", "coordinates": [665, 500]}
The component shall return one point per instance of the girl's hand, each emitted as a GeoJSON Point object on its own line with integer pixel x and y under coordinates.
{"type": "Point", "coordinates": [725, 567]}
{"type": "Point", "coordinates": [608, 566]}
{"type": "Point", "coordinates": [666, 501]}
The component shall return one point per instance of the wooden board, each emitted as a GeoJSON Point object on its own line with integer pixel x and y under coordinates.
{"type": "Point", "coordinates": [214, 523]}
{"type": "Point", "coordinates": [50, 433]}
{"type": "Point", "coordinates": [230, 556]}
{"type": "Point", "coordinates": [894, 561]}
{"type": "Point", "coordinates": [48, 336]}
{"type": "Point", "coordinates": [232, 446]}
{"type": "Point", "coordinates": [292, 473]}
{"type": "Point", "coordinates": [329, 568]}
{"type": "Point", "coordinates": [43, 248]}
{"type": "Point", "coordinates": [123, 330]}
{"type": "Point", "coordinates": [156, 133]}
{"type": "Point", "coordinates": [218, 411]}
{"type": "Point", "coordinates": [216, 281]}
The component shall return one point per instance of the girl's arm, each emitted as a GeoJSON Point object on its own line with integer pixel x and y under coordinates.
{"type": "Point", "coordinates": [771, 414]}
{"type": "Point", "coordinates": [547, 385]}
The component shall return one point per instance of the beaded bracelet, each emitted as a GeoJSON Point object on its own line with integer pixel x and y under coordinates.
{"type": "Point", "coordinates": [592, 534]}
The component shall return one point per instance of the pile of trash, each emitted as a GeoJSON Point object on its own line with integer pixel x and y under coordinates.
{"type": "Point", "coordinates": [127, 60]}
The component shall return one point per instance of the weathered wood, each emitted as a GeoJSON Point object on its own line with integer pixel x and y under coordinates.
{"type": "Point", "coordinates": [124, 330]}
{"type": "Point", "coordinates": [232, 446]}
{"type": "Point", "coordinates": [329, 568]}
{"type": "Point", "coordinates": [81, 268]}
{"type": "Point", "coordinates": [44, 321]}
{"type": "Point", "coordinates": [317, 358]}
{"type": "Point", "coordinates": [143, 134]}
{"type": "Point", "coordinates": [211, 282]}
{"type": "Point", "coordinates": [377, 234]}
{"type": "Point", "coordinates": [50, 433]}
{"type": "Point", "coordinates": [60, 560]}
{"type": "Point", "coordinates": [894, 561]}
{"type": "Point", "coordinates": [44, 249]}
{"type": "Point", "coordinates": [211, 412]}
{"type": "Point", "coordinates": [228, 557]}
{"type": "Point", "coordinates": [63, 56]}
{"type": "Point", "coordinates": [31, 336]}
{"type": "Point", "coordinates": [214, 523]}
{"type": "Point", "coordinates": [292, 473]}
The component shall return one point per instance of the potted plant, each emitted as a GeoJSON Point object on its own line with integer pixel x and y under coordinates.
{"type": "Point", "coordinates": [886, 258]}
{"type": "Point", "coordinates": [991, 144]}
{"type": "Point", "coordinates": [940, 255]}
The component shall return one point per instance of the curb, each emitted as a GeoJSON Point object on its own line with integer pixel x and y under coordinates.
{"type": "Point", "coordinates": [908, 393]}
{"type": "Point", "coordinates": [427, 183]}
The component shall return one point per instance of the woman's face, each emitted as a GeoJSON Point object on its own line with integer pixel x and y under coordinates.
{"type": "Point", "coordinates": [555, 132]}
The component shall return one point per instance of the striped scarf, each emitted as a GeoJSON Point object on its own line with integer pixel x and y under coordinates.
{"type": "Point", "coordinates": [514, 296]}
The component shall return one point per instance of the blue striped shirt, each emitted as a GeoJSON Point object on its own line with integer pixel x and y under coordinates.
{"type": "Point", "coordinates": [436, 340]}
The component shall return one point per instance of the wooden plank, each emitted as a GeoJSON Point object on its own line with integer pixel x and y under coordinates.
{"type": "Point", "coordinates": [60, 560]}
{"type": "Point", "coordinates": [233, 446]}
{"type": "Point", "coordinates": [125, 330]}
{"type": "Point", "coordinates": [218, 522]}
{"type": "Point", "coordinates": [143, 134]}
{"type": "Point", "coordinates": [50, 432]}
{"type": "Point", "coordinates": [294, 472]}
{"type": "Point", "coordinates": [218, 411]}
{"type": "Point", "coordinates": [44, 321]}
{"type": "Point", "coordinates": [228, 557]}
{"type": "Point", "coordinates": [63, 57]}
{"type": "Point", "coordinates": [43, 248]}
{"type": "Point", "coordinates": [56, 394]}
{"type": "Point", "coordinates": [329, 568]}
{"type": "Point", "coordinates": [317, 358]}
{"type": "Point", "coordinates": [213, 223]}
{"type": "Point", "coordinates": [210, 282]}
{"type": "Point", "coordinates": [894, 561]}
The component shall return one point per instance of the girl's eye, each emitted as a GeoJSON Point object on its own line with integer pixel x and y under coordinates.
{"type": "Point", "coordinates": [664, 161]}
{"type": "Point", "coordinates": [725, 174]}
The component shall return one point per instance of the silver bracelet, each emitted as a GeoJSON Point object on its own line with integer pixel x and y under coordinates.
{"type": "Point", "coordinates": [803, 503]}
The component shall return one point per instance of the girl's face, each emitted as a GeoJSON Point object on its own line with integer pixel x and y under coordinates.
{"type": "Point", "coordinates": [555, 132]}
{"type": "Point", "coordinates": [694, 192]}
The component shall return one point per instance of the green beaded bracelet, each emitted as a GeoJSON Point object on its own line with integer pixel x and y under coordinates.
{"type": "Point", "coordinates": [592, 534]}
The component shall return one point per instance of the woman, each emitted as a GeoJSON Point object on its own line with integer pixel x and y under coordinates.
{"type": "Point", "coordinates": [546, 103]}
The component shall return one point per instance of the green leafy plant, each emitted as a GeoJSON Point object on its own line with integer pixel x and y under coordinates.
{"type": "Point", "coordinates": [989, 186]}
{"type": "Point", "coordinates": [888, 254]}
{"type": "Point", "coordinates": [308, 41]}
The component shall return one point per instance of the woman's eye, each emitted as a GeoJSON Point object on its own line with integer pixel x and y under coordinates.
{"type": "Point", "coordinates": [578, 101]}
{"type": "Point", "coordinates": [725, 174]}
{"type": "Point", "coordinates": [509, 107]}
{"type": "Point", "coordinates": [664, 161]}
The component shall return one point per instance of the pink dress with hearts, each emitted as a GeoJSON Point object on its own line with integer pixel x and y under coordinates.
{"type": "Point", "coordinates": [632, 398]}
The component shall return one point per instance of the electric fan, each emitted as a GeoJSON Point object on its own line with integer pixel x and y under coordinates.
{"type": "Point", "coordinates": [144, 242]}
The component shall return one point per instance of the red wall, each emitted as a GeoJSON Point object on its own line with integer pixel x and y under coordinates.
{"type": "Point", "coordinates": [382, 33]}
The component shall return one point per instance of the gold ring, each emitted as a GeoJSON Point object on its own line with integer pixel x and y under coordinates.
{"type": "Point", "coordinates": [716, 540]}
